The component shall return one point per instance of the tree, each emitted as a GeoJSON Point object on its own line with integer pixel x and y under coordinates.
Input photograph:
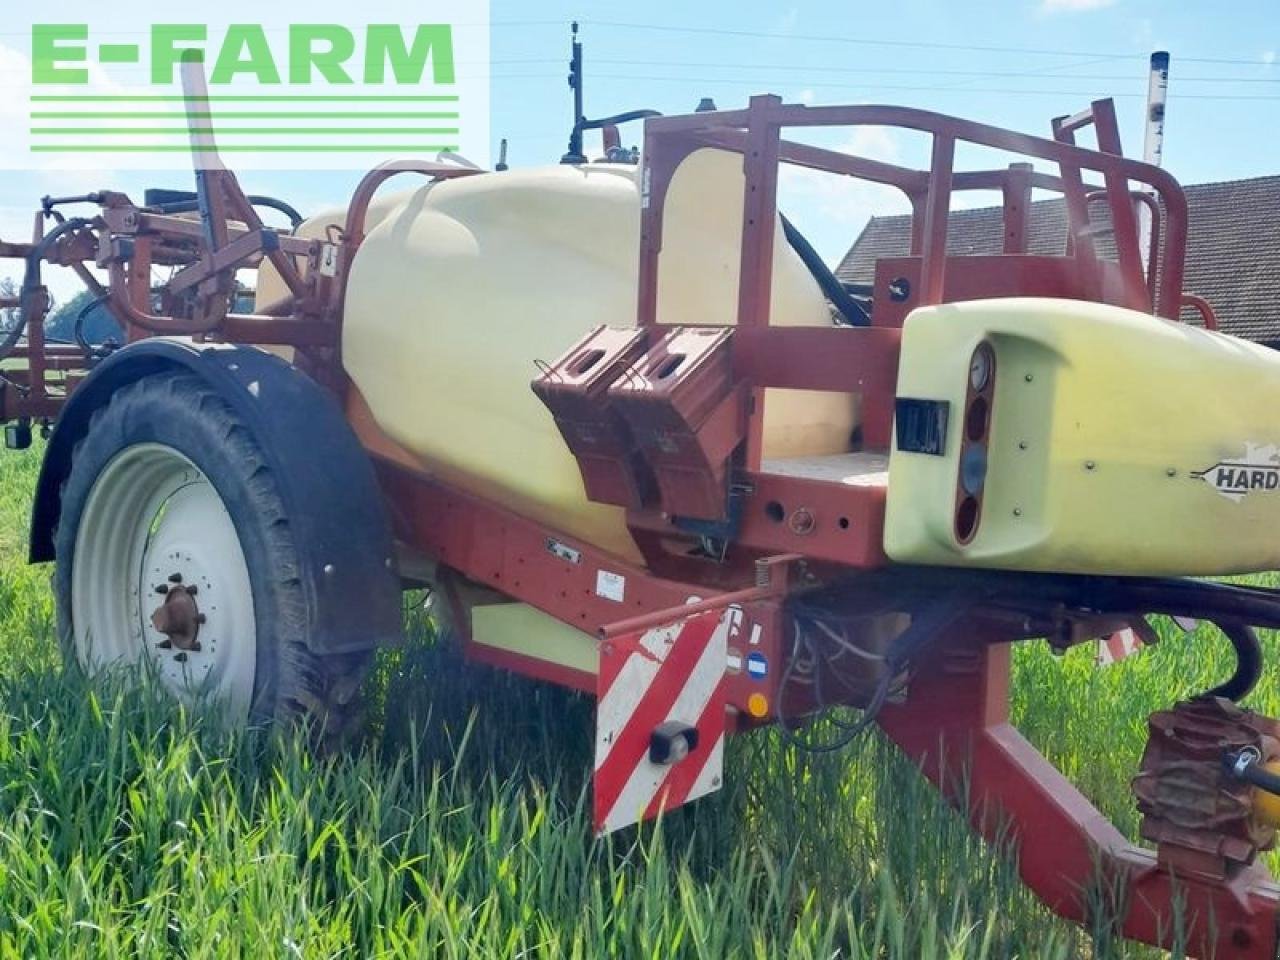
{"type": "Point", "coordinates": [98, 324]}
{"type": "Point", "coordinates": [9, 315]}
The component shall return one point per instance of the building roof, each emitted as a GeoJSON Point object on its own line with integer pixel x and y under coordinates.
{"type": "Point", "coordinates": [1233, 247]}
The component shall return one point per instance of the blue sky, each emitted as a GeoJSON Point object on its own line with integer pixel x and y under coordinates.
{"type": "Point", "coordinates": [1040, 58]}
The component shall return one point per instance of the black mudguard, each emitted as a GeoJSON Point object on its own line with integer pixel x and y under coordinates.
{"type": "Point", "coordinates": [335, 507]}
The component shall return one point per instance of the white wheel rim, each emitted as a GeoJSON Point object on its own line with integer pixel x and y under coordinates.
{"type": "Point", "coordinates": [152, 514]}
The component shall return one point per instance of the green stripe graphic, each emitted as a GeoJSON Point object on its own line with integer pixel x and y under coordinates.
{"type": "Point", "coordinates": [219, 131]}
{"type": "Point", "coordinates": [245, 148]}
{"type": "Point", "coordinates": [327, 115]}
{"type": "Point", "coordinates": [240, 98]}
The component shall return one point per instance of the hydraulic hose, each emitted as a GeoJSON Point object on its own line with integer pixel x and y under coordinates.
{"type": "Point", "coordinates": [854, 313]}
{"type": "Point", "coordinates": [1235, 610]}
{"type": "Point", "coordinates": [31, 281]}
{"type": "Point", "coordinates": [1248, 662]}
{"type": "Point", "coordinates": [930, 621]}
{"type": "Point", "coordinates": [90, 351]}
{"type": "Point", "coordinates": [1247, 766]}
{"type": "Point", "coordinates": [190, 205]}
{"type": "Point", "coordinates": [1262, 778]}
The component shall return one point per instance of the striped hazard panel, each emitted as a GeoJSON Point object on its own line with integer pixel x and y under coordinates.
{"type": "Point", "coordinates": [1118, 646]}
{"type": "Point", "coordinates": [659, 719]}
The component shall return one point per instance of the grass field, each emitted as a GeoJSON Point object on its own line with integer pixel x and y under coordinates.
{"type": "Point", "coordinates": [129, 827]}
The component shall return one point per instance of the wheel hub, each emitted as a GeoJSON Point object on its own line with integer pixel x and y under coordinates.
{"type": "Point", "coordinates": [178, 617]}
{"type": "Point", "coordinates": [153, 530]}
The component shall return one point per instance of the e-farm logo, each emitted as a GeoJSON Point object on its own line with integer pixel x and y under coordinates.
{"type": "Point", "coordinates": [311, 94]}
{"type": "Point", "coordinates": [323, 50]}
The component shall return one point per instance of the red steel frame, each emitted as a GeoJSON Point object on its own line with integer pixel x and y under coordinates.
{"type": "Point", "coordinates": [957, 709]}
{"type": "Point", "coordinates": [955, 722]}
{"type": "Point", "coordinates": [956, 727]}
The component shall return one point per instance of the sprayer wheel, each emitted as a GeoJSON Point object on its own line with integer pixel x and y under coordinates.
{"type": "Point", "coordinates": [175, 553]}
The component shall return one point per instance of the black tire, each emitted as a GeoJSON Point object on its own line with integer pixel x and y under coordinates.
{"type": "Point", "coordinates": [291, 682]}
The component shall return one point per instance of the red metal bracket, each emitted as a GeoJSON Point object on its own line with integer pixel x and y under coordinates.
{"type": "Point", "coordinates": [955, 725]}
{"type": "Point", "coordinates": [688, 415]}
{"type": "Point", "coordinates": [575, 390]}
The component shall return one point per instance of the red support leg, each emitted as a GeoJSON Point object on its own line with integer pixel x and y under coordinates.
{"type": "Point", "coordinates": [955, 725]}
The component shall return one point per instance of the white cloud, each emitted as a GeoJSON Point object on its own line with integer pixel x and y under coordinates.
{"type": "Point", "coordinates": [1269, 57]}
{"type": "Point", "coordinates": [15, 119]}
{"type": "Point", "coordinates": [831, 209]}
{"type": "Point", "coordinates": [1073, 6]}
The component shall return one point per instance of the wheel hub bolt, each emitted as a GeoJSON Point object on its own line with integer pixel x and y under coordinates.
{"type": "Point", "coordinates": [179, 619]}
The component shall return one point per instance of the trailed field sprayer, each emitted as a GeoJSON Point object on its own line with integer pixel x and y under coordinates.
{"type": "Point", "coordinates": [645, 445]}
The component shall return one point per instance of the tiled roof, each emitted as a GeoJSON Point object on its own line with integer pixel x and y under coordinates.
{"type": "Point", "coordinates": [1233, 250]}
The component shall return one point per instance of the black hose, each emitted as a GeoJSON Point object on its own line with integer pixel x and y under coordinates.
{"type": "Point", "coordinates": [616, 119]}
{"type": "Point", "coordinates": [1204, 600]}
{"type": "Point", "coordinates": [1015, 590]}
{"type": "Point", "coordinates": [190, 205]}
{"type": "Point", "coordinates": [1248, 662]}
{"type": "Point", "coordinates": [295, 218]}
{"type": "Point", "coordinates": [574, 155]}
{"type": "Point", "coordinates": [31, 281]}
{"type": "Point", "coordinates": [1247, 767]}
{"type": "Point", "coordinates": [1235, 610]}
{"type": "Point", "coordinates": [1231, 609]}
{"type": "Point", "coordinates": [78, 328]}
{"type": "Point", "coordinates": [1261, 778]}
{"type": "Point", "coordinates": [854, 313]}
{"type": "Point", "coordinates": [930, 621]}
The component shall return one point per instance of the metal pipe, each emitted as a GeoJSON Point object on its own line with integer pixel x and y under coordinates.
{"type": "Point", "coordinates": [31, 283]}
{"type": "Point", "coordinates": [1204, 308]}
{"type": "Point", "coordinates": [574, 153]}
{"type": "Point", "coordinates": [659, 129]}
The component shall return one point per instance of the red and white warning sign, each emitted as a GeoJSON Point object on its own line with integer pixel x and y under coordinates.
{"type": "Point", "coordinates": [1118, 646]}
{"type": "Point", "coordinates": [660, 719]}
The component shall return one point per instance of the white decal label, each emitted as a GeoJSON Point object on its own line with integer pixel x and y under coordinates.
{"type": "Point", "coordinates": [611, 586]}
{"type": "Point", "coordinates": [329, 260]}
{"type": "Point", "coordinates": [563, 551]}
{"type": "Point", "coordinates": [733, 618]}
{"type": "Point", "coordinates": [1257, 471]}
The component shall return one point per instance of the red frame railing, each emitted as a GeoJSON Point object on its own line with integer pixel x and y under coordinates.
{"type": "Point", "coordinates": [756, 133]}
{"type": "Point", "coordinates": [864, 360]}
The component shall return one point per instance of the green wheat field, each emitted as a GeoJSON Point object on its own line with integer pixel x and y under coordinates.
{"type": "Point", "coordinates": [459, 826]}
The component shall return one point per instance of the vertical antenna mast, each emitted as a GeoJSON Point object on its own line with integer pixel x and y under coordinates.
{"type": "Point", "coordinates": [1153, 144]}
{"type": "Point", "coordinates": [195, 93]}
{"type": "Point", "coordinates": [1157, 94]}
{"type": "Point", "coordinates": [574, 154]}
